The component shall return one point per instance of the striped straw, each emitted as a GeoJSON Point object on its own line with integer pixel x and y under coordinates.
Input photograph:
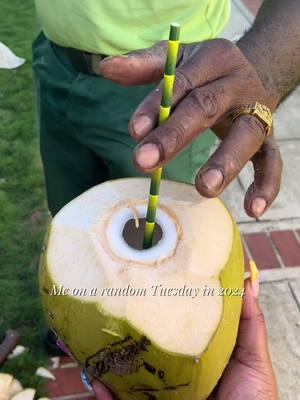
{"type": "Point", "coordinates": [164, 112]}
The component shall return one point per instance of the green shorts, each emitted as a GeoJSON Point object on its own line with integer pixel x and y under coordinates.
{"type": "Point", "coordinates": [83, 124]}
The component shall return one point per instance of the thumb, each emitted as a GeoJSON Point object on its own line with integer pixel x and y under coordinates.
{"type": "Point", "coordinates": [252, 346]}
{"type": "Point", "coordinates": [137, 68]}
{"type": "Point", "coordinates": [101, 391]}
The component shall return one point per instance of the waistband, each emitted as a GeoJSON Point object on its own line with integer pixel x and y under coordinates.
{"type": "Point", "coordinates": [82, 62]}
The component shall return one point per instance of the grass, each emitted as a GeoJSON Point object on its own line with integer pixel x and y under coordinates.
{"type": "Point", "coordinates": [23, 212]}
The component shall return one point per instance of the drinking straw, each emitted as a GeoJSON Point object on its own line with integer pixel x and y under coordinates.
{"type": "Point", "coordinates": [164, 112]}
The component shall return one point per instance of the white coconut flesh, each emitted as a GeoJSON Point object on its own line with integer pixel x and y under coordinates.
{"type": "Point", "coordinates": [86, 249]}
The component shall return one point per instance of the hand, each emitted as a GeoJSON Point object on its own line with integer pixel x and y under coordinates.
{"type": "Point", "coordinates": [249, 374]}
{"type": "Point", "coordinates": [101, 392]}
{"type": "Point", "coordinates": [212, 79]}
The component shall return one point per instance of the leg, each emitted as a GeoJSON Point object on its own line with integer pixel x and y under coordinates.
{"type": "Point", "coordinates": [70, 167]}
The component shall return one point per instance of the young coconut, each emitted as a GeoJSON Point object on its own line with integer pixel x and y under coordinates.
{"type": "Point", "coordinates": [159, 323]}
{"type": "Point", "coordinates": [26, 394]}
{"type": "Point", "coordinates": [9, 386]}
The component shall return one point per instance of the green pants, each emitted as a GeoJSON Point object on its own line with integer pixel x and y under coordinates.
{"type": "Point", "coordinates": [83, 124]}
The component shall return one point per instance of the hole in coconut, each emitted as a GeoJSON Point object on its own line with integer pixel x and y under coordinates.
{"type": "Point", "coordinates": [134, 236]}
{"type": "Point", "coordinates": [123, 245]}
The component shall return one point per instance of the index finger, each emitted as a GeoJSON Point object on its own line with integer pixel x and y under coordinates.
{"type": "Point", "coordinates": [201, 109]}
{"type": "Point", "coordinates": [205, 63]}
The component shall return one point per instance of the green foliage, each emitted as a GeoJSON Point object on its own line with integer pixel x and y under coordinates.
{"type": "Point", "coordinates": [23, 212]}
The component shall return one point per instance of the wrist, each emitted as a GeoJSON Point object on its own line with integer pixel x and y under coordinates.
{"type": "Point", "coordinates": [258, 56]}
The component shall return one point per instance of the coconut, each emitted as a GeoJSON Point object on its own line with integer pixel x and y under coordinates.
{"type": "Point", "coordinates": [9, 386]}
{"type": "Point", "coordinates": [159, 323]}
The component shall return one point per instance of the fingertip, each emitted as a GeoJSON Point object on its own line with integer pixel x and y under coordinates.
{"type": "Point", "coordinates": [258, 206]}
{"type": "Point", "coordinates": [122, 69]}
{"type": "Point", "coordinates": [62, 346]}
{"type": "Point", "coordinates": [254, 278]}
{"type": "Point", "coordinates": [112, 59]}
{"type": "Point", "coordinates": [209, 182]}
{"type": "Point", "coordinates": [252, 285]}
{"type": "Point", "coordinates": [255, 202]}
{"type": "Point", "coordinates": [101, 391]}
{"type": "Point", "coordinates": [252, 330]}
{"type": "Point", "coordinates": [267, 178]}
{"type": "Point", "coordinates": [250, 305]}
{"type": "Point", "coordinates": [109, 64]}
{"type": "Point", "coordinates": [140, 125]}
{"type": "Point", "coordinates": [136, 68]}
{"type": "Point", "coordinates": [147, 156]}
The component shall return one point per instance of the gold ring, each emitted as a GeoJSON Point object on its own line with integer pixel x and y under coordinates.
{"type": "Point", "coordinates": [259, 111]}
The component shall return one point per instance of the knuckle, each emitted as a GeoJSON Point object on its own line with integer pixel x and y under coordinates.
{"type": "Point", "coordinates": [247, 357]}
{"type": "Point", "coordinates": [254, 127]}
{"type": "Point", "coordinates": [174, 139]}
{"type": "Point", "coordinates": [227, 51]}
{"type": "Point", "coordinates": [270, 155]}
{"type": "Point", "coordinates": [179, 136]}
{"type": "Point", "coordinates": [252, 82]}
{"type": "Point", "coordinates": [225, 46]}
{"type": "Point", "coordinates": [250, 85]}
{"type": "Point", "coordinates": [260, 318]}
{"type": "Point", "coordinates": [156, 51]}
{"type": "Point", "coordinates": [271, 149]}
{"type": "Point", "coordinates": [183, 81]}
{"type": "Point", "coordinates": [247, 85]}
{"type": "Point", "coordinates": [233, 161]}
{"type": "Point", "coordinates": [206, 102]}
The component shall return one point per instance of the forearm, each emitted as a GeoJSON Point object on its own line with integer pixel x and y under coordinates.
{"type": "Point", "coordinates": [272, 45]}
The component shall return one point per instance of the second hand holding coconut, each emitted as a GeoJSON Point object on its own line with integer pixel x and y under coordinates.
{"type": "Point", "coordinates": [164, 112]}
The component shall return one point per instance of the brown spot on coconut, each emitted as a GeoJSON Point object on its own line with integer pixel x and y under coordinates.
{"type": "Point", "coordinates": [155, 320]}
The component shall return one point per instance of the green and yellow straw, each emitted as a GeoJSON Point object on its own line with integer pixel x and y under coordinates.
{"type": "Point", "coordinates": [164, 112]}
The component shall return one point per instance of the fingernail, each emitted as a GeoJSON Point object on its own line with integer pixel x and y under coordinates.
{"type": "Point", "coordinates": [258, 206]}
{"type": "Point", "coordinates": [62, 346]}
{"type": "Point", "coordinates": [141, 125]}
{"type": "Point", "coordinates": [85, 381]}
{"type": "Point", "coordinates": [213, 179]}
{"type": "Point", "coordinates": [254, 278]}
{"type": "Point", "coordinates": [147, 155]}
{"type": "Point", "coordinates": [108, 58]}
{"type": "Point", "coordinates": [107, 72]}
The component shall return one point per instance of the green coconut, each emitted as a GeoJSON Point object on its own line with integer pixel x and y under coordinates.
{"type": "Point", "coordinates": [152, 324]}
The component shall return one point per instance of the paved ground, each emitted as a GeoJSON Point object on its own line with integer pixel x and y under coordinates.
{"type": "Point", "coordinates": [277, 242]}
{"type": "Point", "coordinates": [280, 303]}
{"type": "Point", "coordinates": [285, 212]}
{"type": "Point", "coordinates": [274, 242]}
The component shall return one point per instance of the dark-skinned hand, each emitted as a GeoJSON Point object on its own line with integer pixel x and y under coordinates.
{"type": "Point", "coordinates": [213, 78]}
